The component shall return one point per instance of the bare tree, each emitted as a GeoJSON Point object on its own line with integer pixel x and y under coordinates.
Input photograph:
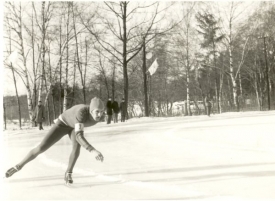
{"type": "Point", "coordinates": [14, 81]}
{"type": "Point", "coordinates": [230, 34]}
{"type": "Point", "coordinates": [65, 102]}
{"type": "Point", "coordinates": [129, 35]}
{"type": "Point", "coordinates": [16, 25]}
{"type": "Point", "coordinates": [184, 49]}
{"type": "Point", "coordinates": [82, 70]}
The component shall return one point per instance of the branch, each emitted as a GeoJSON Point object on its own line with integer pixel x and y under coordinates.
{"type": "Point", "coordinates": [101, 42]}
{"type": "Point", "coordinates": [242, 60]}
{"type": "Point", "coordinates": [132, 11]}
{"type": "Point", "coordinates": [138, 50]}
{"type": "Point", "coordinates": [36, 17]}
{"type": "Point", "coordinates": [113, 10]}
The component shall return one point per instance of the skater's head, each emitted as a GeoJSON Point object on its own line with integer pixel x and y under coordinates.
{"type": "Point", "coordinates": [96, 108]}
{"type": "Point", "coordinates": [39, 103]}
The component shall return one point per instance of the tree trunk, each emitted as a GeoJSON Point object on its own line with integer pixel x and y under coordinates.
{"type": "Point", "coordinates": [51, 88]}
{"type": "Point", "coordinates": [5, 116]}
{"type": "Point", "coordinates": [17, 97]}
{"type": "Point", "coordinates": [113, 82]}
{"type": "Point", "coordinates": [216, 78]}
{"type": "Point", "coordinates": [65, 103]}
{"type": "Point", "coordinates": [220, 94]}
{"type": "Point", "coordinates": [78, 60]}
{"type": "Point", "coordinates": [48, 112]}
{"type": "Point", "coordinates": [46, 102]}
{"type": "Point", "coordinates": [85, 71]}
{"type": "Point", "coordinates": [230, 98]}
{"type": "Point", "coordinates": [53, 105]}
{"type": "Point", "coordinates": [188, 73]}
{"type": "Point", "coordinates": [34, 71]}
{"type": "Point", "coordinates": [241, 103]}
{"type": "Point", "coordinates": [261, 90]}
{"type": "Point", "coordinates": [60, 66]}
{"type": "Point", "coordinates": [257, 91]}
{"type": "Point", "coordinates": [43, 53]}
{"type": "Point", "coordinates": [73, 97]}
{"type": "Point", "coordinates": [145, 81]}
{"type": "Point", "coordinates": [234, 83]}
{"type": "Point", "coordinates": [125, 73]}
{"type": "Point", "coordinates": [15, 85]}
{"type": "Point", "coordinates": [27, 83]}
{"type": "Point", "coordinates": [266, 76]}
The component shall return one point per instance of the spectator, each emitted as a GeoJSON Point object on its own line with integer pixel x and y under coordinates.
{"type": "Point", "coordinates": [115, 110]}
{"type": "Point", "coordinates": [123, 110]}
{"type": "Point", "coordinates": [208, 106]}
{"type": "Point", "coordinates": [39, 114]}
{"type": "Point", "coordinates": [109, 110]}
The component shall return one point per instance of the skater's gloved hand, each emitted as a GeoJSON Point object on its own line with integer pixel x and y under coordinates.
{"type": "Point", "coordinates": [97, 155]}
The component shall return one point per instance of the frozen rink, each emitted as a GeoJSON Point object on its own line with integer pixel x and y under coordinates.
{"type": "Point", "coordinates": [223, 157]}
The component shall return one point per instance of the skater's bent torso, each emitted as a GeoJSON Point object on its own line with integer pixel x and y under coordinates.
{"type": "Point", "coordinates": [78, 114]}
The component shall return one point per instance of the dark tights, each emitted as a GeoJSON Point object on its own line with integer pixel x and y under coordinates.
{"type": "Point", "coordinates": [57, 131]}
{"type": "Point", "coordinates": [40, 126]}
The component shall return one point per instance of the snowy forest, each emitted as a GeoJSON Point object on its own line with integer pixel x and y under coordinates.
{"type": "Point", "coordinates": [65, 53]}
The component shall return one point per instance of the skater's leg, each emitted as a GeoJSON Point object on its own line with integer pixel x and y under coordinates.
{"type": "Point", "coordinates": [109, 119]}
{"type": "Point", "coordinates": [122, 117]}
{"type": "Point", "coordinates": [73, 158]}
{"type": "Point", "coordinates": [40, 125]}
{"type": "Point", "coordinates": [54, 135]}
{"type": "Point", "coordinates": [208, 110]}
{"type": "Point", "coordinates": [115, 117]}
{"type": "Point", "coordinates": [75, 152]}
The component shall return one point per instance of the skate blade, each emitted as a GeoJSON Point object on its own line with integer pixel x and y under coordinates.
{"type": "Point", "coordinates": [68, 184]}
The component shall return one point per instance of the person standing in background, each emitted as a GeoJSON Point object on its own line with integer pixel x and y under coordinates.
{"type": "Point", "coordinates": [39, 115]}
{"type": "Point", "coordinates": [109, 110]}
{"type": "Point", "coordinates": [115, 110]}
{"type": "Point", "coordinates": [208, 106]}
{"type": "Point", "coordinates": [123, 110]}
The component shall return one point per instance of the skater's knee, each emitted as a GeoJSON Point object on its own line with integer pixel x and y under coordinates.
{"type": "Point", "coordinates": [76, 145]}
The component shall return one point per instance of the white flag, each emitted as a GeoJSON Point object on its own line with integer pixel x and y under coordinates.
{"type": "Point", "coordinates": [13, 56]}
{"type": "Point", "coordinates": [153, 67]}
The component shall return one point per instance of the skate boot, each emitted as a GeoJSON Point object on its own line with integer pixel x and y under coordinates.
{"type": "Point", "coordinates": [68, 178]}
{"type": "Point", "coordinates": [12, 170]}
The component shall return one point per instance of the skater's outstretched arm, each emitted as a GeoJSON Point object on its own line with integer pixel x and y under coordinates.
{"type": "Point", "coordinates": [79, 132]}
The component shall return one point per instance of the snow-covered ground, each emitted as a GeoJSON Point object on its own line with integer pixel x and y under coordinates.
{"type": "Point", "coordinates": [223, 157]}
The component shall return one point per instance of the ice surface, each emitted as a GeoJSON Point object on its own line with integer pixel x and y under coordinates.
{"type": "Point", "coordinates": [229, 156]}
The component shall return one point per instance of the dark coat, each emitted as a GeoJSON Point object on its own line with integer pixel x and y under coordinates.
{"type": "Point", "coordinates": [115, 107]}
{"type": "Point", "coordinates": [39, 114]}
{"type": "Point", "coordinates": [109, 108]}
{"type": "Point", "coordinates": [207, 102]}
{"type": "Point", "coordinates": [123, 108]}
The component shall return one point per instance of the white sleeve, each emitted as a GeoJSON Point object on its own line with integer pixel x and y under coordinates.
{"type": "Point", "coordinates": [79, 133]}
{"type": "Point", "coordinates": [79, 127]}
